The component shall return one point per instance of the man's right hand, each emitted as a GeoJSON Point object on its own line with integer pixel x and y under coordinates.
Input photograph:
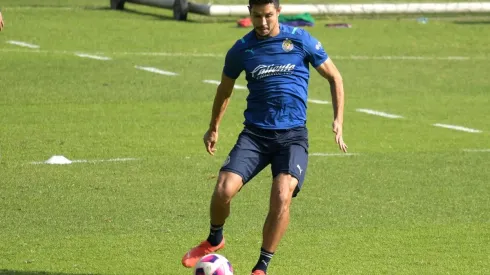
{"type": "Point", "coordinates": [1, 22]}
{"type": "Point", "coordinates": [210, 139]}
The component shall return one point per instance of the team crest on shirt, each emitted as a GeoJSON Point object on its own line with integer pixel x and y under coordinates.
{"type": "Point", "coordinates": [287, 45]}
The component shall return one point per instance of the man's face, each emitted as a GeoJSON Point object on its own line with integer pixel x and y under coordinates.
{"type": "Point", "coordinates": [265, 18]}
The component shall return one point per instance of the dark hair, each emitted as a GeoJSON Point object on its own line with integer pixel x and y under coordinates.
{"type": "Point", "coordinates": [263, 2]}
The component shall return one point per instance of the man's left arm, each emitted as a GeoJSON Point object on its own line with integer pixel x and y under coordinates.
{"type": "Point", "coordinates": [1, 21]}
{"type": "Point", "coordinates": [330, 72]}
{"type": "Point", "coordinates": [320, 60]}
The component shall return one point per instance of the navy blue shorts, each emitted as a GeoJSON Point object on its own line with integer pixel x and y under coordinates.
{"type": "Point", "coordinates": [285, 150]}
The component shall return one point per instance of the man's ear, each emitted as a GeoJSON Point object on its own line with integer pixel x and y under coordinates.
{"type": "Point", "coordinates": [250, 9]}
{"type": "Point", "coordinates": [278, 9]}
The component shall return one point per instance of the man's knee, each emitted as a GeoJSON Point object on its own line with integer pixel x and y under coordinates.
{"type": "Point", "coordinates": [282, 192]}
{"type": "Point", "coordinates": [227, 186]}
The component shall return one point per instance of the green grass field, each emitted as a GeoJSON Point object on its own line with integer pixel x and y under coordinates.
{"type": "Point", "coordinates": [409, 200]}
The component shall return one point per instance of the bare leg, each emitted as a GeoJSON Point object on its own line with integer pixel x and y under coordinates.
{"type": "Point", "coordinates": [278, 218]}
{"type": "Point", "coordinates": [226, 188]}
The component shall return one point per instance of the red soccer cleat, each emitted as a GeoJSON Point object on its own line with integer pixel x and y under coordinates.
{"type": "Point", "coordinates": [191, 258]}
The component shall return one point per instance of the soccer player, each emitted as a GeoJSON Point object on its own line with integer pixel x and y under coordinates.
{"type": "Point", "coordinates": [1, 21]}
{"type": "Point", "coordinates": [275, 59]}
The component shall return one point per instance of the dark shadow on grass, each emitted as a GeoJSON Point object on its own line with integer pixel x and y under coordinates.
{"type": "Point", "coordinates": [198, 19]}
{"type": "Point", "coordinates": [15, 272]}
{"type": "Point", "coordinates": [135, 12]}
{"type": "Point", "coordinates": [471, 22]}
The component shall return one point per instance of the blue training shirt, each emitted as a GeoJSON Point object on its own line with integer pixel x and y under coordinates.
{"type": "Point", "coordinates": [277, 71]}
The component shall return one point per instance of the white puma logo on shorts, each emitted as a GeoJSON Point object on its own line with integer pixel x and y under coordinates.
{"type": "Point", "coordinates": [299, 168]}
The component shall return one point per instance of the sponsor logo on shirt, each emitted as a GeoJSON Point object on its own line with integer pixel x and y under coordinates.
{"type": "Point", "coordinates": [262, 71]}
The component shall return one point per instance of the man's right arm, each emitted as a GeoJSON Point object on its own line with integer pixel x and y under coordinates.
{"type": "Point", "coordinates": [231, 71]}
{"type": "Point", "coordinates": [221, 100]}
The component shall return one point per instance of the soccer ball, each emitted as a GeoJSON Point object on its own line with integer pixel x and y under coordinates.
{"type": "Point", "coordinates": [213, 264]}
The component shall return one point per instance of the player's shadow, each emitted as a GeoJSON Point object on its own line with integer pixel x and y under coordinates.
{"type": "Point", "coordinates": [15, 272]}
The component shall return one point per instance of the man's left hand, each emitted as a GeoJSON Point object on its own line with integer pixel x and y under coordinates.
{"type": "Point", "coordinates": [337, 129]}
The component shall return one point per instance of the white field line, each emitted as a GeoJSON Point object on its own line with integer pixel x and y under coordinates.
{"type": "Point", "coordinates": [216, 82]}
{"type": "Point", "coordinates": [215, 55]}
{"type": "Point", "coordinates": [172, 54]}
{"type": "Point", "coordinates": [23, 44]}
{"type": "Point", "coordinates": [333, 154]}
{"type": "Point", "coordinates": [97, 57]}
{"type": "Point", "coordinates": [317, 101]}
{"type": "Point", "coordinates": [455, 127]}
{"type": "Point", "coordinates": [92, 161]}
{"type": "Point", "coordinates": [477, 150]}
{"type": "Point", "coordinates": [156, 70]}
{"type": "Point", "coordinates": [378, 113]}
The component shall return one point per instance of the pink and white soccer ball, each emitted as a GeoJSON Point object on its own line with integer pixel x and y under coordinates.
{"type": "Point", "coordinates": [213, 264]}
